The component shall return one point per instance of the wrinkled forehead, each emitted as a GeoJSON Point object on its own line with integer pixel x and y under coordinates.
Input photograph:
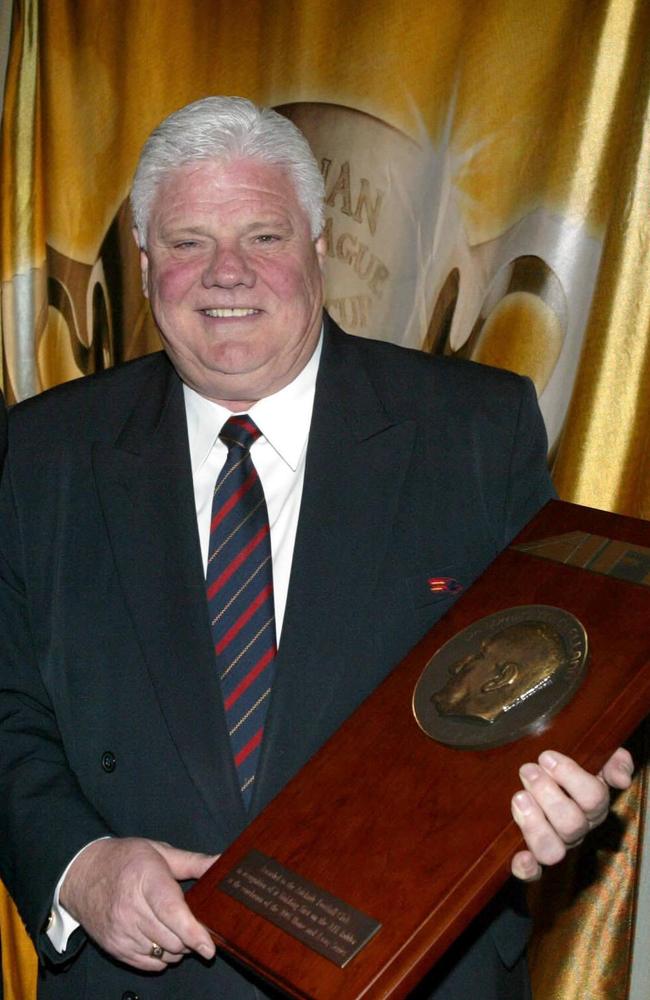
{"type": "Point", "coordinates": [238, 174]}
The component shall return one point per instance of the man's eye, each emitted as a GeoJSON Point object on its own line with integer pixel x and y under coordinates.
{"type": "Point", "coordinates": [185, 245]}
{"type": "Point", "coordinates": [267, 238]}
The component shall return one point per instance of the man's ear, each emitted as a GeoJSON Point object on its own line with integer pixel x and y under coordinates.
{"type": "Point", "coordinates": [144, 265]}
{"type": "Point", "coordinates": [321, 251]}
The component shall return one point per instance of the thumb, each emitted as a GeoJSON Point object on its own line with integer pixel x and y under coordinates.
{"type": "Point", "coordinates": [184, 864]}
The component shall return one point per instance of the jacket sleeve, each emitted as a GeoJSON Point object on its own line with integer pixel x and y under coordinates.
{"type": "Point", "coordinates": [44, 817]}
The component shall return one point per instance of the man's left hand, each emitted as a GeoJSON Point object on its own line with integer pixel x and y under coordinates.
{"type": "Point", "coordinates": [560, 804]}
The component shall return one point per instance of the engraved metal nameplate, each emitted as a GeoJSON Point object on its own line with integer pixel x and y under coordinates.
{"type": "Point", "coordinates": [324, 923]}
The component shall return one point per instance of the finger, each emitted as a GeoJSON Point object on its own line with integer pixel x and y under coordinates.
{"type": "Point", "coordinates": [524, 866]}
{"type": "Point", "coordinates": [541, 839]}
{"type": "Point", "coordinates": [140, 957]}
{"type": "Point", "coordinates": [619, 769]}
{"type": "Point", "coordinates": [193, 935]}
{"type": "Point", "coordinates": [561, 812]}
{"type": "Point", "coordinates": [154, 932]}
{"type": "Point", "coordinates": [184, 864]}
{"type": "Point", "coordinates": [157, 946]}
{"type": "Point", "coordinates": [588, 791]}
{"type": "Point", "coordinates": [165, 957]}
{"type": "Point", "coordinates": [176, 926]}
{"type": "Point", "coordinates": [136, 950]}
{"type": "Point", "coordinates": [145, 963]}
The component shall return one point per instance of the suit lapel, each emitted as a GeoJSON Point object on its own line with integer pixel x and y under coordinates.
{"type": "Point", "coordinates": [145, 488]}
{"type": "Point", "coordinates": [356, 461]}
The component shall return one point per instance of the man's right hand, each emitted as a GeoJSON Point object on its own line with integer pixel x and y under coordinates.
{"type": "Point", "coordinates": [125, 894]}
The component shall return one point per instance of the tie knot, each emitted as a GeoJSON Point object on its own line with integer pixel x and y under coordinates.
{"type": "Point", "coordinates": [240, 431]}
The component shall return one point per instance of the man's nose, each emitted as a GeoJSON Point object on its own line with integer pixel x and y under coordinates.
{"type": "Point", "coordinates": [226, 268]}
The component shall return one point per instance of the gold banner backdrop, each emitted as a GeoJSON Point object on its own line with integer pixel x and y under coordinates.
{"type": "Point", "coordinates": [487, 171]}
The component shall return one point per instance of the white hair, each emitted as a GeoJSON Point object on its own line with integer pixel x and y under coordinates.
{"type": "Point", "coordinates": [226, 129]}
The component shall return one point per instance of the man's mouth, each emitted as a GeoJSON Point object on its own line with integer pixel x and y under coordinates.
{"type": "Point", "coordinates": [229, 313]}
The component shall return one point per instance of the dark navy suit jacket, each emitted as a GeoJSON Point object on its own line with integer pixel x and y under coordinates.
{"type": "Point", "coordinates": [111, 720]}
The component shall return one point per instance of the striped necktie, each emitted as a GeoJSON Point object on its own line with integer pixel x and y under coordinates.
{"type": "Point", "coordinates": [240, 597]}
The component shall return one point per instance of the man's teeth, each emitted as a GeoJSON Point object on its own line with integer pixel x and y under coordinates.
{"type": "Point", "coordinates": [227, 313]}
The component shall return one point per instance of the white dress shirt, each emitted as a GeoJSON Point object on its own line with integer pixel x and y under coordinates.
{"type": "Point", "coordinates": [279, 456]}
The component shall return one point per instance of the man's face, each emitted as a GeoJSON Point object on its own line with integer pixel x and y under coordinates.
{"type": "Point", "coordinates": [234, 278]}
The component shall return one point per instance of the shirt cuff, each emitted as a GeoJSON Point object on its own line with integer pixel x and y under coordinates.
{"type": "Point", "coordinates": [61, 925]}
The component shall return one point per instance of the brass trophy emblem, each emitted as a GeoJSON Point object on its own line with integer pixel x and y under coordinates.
{"type": "Point", "coordinates": [502, 677]}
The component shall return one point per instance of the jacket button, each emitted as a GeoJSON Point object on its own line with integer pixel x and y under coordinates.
{"type": "Point", "coordinates": [108, 764]}
{"type": "Point", "coordinates": [130, 995]}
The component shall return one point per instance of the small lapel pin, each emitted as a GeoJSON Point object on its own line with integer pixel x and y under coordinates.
{"type": "Point", "coordinates": [444, 585]}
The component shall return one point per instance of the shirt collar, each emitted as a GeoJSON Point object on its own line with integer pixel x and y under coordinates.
{"type": "Point", "coordinates": [283, 418]}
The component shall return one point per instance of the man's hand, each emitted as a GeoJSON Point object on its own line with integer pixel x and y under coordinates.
{"type": "Point", "coordinates": [125, 894]}
{"type": "Point", "coordinates": [561, 803]}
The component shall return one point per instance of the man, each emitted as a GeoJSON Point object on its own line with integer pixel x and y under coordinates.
{"type": "Point", "coordinates": [379, 467]}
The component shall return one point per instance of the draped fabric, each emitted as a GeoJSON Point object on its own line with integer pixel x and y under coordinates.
{"type": "Point", "coordinates": [584, 910]}
{"type": "Point", "coordinates": [487, 169]}
{"type": "Point", "coordinates": [19, 967]}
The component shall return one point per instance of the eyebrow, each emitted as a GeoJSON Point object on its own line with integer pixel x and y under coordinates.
{"type": "Point", "coordinates": [175, 231]}
{"type": "Point", "coordinates": [178, 230]}
{"type": "Point", "coordinates": [269, 224]}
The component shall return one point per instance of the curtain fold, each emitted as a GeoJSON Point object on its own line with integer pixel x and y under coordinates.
{"type": "Point", "coordinates": [604, 457]}
{"type": "Point", "coordinates": [584, 910]}
{"type": "Point", "coordinates": [23, 303]}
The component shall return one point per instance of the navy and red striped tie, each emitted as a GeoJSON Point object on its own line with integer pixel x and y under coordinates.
{"type": "Point", "coordinates": [240, 597]}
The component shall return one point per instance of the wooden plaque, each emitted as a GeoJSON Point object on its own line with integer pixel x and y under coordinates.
{"type": "Point", "coordinates": [386, 825]}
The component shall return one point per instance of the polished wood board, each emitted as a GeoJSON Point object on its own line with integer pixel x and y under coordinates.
{"type": "Point", "coordinates": [417, 835]}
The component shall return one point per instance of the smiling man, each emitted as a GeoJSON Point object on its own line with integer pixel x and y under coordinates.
{"type": "Point", "coordinates": [234, 278]}
{"type": "Point", "coordinates": [210, 556]}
